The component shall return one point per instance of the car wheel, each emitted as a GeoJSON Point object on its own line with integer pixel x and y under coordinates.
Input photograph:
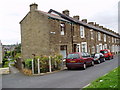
{"type": "Point", "coordinates": [84, 66]}
{"type": "Point", "coordinates": [92, 63]}
{"type": "Point", "coordinates": [104, 60]}
{"type": "Point", "coordinates": [69, 68]}
{"type": "Point", "coordinates": [112, 57]}
{"type": "Point", "coordinates": [98, 61]}
{"type": "Point", "coordinates": [109, 58]}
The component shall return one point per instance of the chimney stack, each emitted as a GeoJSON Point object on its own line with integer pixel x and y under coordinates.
{"type": "Point", "coordinates": [66, 12]}
{"type": "Point", "coordinates": [91, 23]}
{"type": "Point", "coordinates": [84, 20]}
{"type": "Point", "coordinates": [76, 17]}
{"type": "Point", "coordinates": [101, 27]}
{"type": "Point", "coordinates": [97, 25]}
{"type": "Point", "coordinates": [33, 7]}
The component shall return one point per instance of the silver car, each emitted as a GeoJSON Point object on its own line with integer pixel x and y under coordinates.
{"type": "Point", "coordinates": [98, 58]}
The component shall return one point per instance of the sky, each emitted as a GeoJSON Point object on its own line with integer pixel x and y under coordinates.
{"type": "Point", "coordinates": [103, 12]}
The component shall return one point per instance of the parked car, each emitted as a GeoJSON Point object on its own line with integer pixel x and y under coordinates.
{"type": "Point", "coordinates": [79, 60]}
{"type": "Point", "coordinates": [98, 58]}
{"type": "Point", "coordinates": [107, 54]}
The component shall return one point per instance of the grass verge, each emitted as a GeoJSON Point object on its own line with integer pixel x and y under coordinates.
{"type": "Point", "coordinates": [109, 80]}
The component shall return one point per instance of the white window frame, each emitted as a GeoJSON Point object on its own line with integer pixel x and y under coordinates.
{"type": "Point", "coordinates": [62, 28]}
{"type": "Point", "coordinates": [85, 43]}
{"type": "Point", "coordinates": [113, 48]}
{"type": "Point", "coordinates": [104, 37]}
{"type": "Point", "coordinates": [112, 39]}
{"type": "Point", "coordinates": [93, 49]}
{"type": "Point", "coordinates": [105, 46]}
{"type": "Point", "coordinates": [78, 47]}
{"type": "Point", "coordinates": [97, 48]}
{"type": "Point", "coordinates": [100, 46]}
{"type": "Point", "coordinates": [92, 34]}
{"type": "Point", "coordinates": [82, 32]}
{"type": "Point", "coordinates": [115, 40]}
{"type": "Point", "coordinates": [109, 39]}
{"type": "Point", "coordinates": [99, 36]}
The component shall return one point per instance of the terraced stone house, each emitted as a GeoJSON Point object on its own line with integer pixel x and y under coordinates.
{"type": "Point", "coordinates": [1, 52]}
{"type": "Point", "coordinates": [52, 32]}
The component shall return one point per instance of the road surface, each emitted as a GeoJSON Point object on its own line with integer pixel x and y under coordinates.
{"type": "Point", "coordinates": [62, 79]}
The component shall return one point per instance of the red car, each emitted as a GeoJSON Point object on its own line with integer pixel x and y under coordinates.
{"type": "Point", "coordinates": [107, 54]}
{"type": "Point", "coordinates": [78, 60]}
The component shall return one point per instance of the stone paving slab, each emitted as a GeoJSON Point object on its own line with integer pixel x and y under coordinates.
{"type": "Point", "coordinates": [5, 70]}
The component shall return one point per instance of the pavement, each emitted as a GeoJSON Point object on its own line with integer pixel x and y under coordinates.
{"type": "Point", "coordinates": [13, 70]}
{"type": "Point", "coordinates": [62, 79]}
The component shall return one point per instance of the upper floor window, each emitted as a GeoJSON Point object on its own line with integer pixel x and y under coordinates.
{"type": "Point", "coordinates": [115, 40]}
{"type": "Point", "coordinates": [62, 27]}
{"type": "Point", "coordinates": [104, 37]}
{"type": "Point", "coordinates": [99, 36]}
{"type": "Point", "coordinates": [92, 35]}
{"type": "Point", "coordinates": [82, 32]}
{"type": "Point", "coordinates": [73, 30]}
{"type": "Point", "coordinates": [93, 49]}
{"type": "Point", "coordinates": [112, 40]}
{"type": "Point", "coordinates": [109, 39]}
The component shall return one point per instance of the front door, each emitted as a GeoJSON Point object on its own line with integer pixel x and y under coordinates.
{"type": "Point", "coordinates": [76, 47]}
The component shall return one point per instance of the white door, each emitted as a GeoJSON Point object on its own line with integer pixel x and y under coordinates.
{"type": "Point", "coordinates": [78, 48]}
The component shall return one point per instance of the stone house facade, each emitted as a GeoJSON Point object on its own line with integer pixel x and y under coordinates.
{"type": "Point", "coordinates": [1, 52]}
{"type": "Point", "coordinates": [49, 33]}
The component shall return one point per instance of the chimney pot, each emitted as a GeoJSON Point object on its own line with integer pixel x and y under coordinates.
{"type": "Point", "coordinates": [33, 7]}
{"type": "Point", "coordinates": [91, 23]}
{"type": "Point", "coordinates": [101, 27]}
{"type": "Point", "coordinates": [66, 12]}
{"type": "Point", "coordinates": [84, 20]}
{"type": "Point", "coordinates": [97, 25]}
{"type": "Point", "coordinates": [76, 17]}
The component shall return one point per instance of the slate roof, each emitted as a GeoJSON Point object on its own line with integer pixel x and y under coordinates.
{"type": "Point", "coordinates": [54, 16]}
{"type": "Point", "coordinates": [63, 17]}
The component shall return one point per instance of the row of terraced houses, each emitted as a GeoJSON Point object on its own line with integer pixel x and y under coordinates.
{"type": "Point", "coordinates": [52, 32]}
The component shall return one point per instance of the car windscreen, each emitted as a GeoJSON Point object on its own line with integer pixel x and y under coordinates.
{"type": "Point", "coordinates": [103, 52]}
{"type": "Point", "coordinates": [72, 56]}
{"type": "Point", "coordinates": [97, 56]}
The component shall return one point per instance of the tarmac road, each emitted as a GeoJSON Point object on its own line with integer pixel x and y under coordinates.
{"type": "Point", "coordinates": [62, 79]}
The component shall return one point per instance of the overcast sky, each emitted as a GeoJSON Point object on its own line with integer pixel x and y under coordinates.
{"type": "Point", "coordinates": [104, 12]}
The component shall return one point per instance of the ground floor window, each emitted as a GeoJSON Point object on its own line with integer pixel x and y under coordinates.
{"type": "Point", "coordinates": [93, 49]}
{"type": "Point", "coordinates": [105, 46]}
{"type": "Point", "coordinates": [97, 49]}
{"type": "Point", "coordinates": [84, 46]}
{"type": "Point", "coordinates": [100, 46]}
{"type": "Point", "coordinates": [78, 48]}
{"type": "Point", "coordinates": [113, 48]}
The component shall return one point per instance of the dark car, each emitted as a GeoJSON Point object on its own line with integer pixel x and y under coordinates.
{"type": "Point", "coordinates": [99, 57]}
{"type": "Point", "coordinates": [79, 60]}
{"type": "Point", "coordinates": [107, 54]}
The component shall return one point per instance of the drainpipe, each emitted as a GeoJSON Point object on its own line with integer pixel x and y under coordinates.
{"type": "Point", "coordinates": [72, 37]}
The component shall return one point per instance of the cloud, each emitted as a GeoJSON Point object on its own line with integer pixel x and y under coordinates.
{"type": "Point", "coordinates": [12, 12]}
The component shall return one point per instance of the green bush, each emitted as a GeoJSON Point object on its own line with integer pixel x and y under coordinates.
{"type": "Point", "coordinates": [6, 64]}
{"type": "Point", "coordinates": [28, 63]}
{"type": "Point", "coordinates": [44, 63]}
{"type": "Point", "coordinates": [18, 55]}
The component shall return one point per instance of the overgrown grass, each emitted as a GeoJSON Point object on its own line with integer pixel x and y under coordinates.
{"type": "Point", "coordinates": [109, 80]}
